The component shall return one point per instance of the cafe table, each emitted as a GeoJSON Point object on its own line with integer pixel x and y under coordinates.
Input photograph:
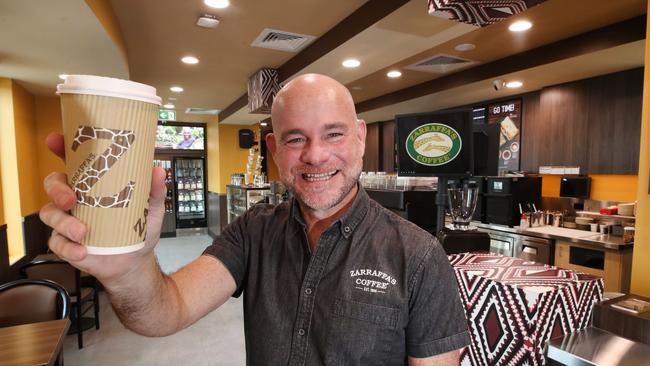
{"type": "Point", "coordinates": [513, 306]}
{"type": "Point", "coordinates": [32, 344]}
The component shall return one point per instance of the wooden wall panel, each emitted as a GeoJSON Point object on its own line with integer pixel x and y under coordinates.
{"type": "Point", "coordinates": [564, 115]}
{"type": "Point", "coordinates": [615, 123]}
{"type": "Point", "coordinates": [4, 255]}
{"type": "Point", "coordinates": [532, 132]}
{"type": "Point", "coordinates": [388, 146]}
{"type": "Point", "coordinates": [371, 155]}
{"type": "Point", "coordinates": [36, 235]}
{"type": "Point", "coordinates": [593, 123]}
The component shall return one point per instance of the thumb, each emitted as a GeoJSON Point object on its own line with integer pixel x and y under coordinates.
{"type": "Point", "coordinates": [158, 187]}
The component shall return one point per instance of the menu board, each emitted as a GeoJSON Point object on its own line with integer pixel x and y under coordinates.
{"type": "Point", "coordinates": [508, 115]}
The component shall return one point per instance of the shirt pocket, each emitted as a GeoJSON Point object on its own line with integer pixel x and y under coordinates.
{"type": "Point", "coordinates": [364, 334]}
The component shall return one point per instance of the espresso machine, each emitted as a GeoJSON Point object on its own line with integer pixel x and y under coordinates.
{"type": "Point", "coordinates": [460, 236]}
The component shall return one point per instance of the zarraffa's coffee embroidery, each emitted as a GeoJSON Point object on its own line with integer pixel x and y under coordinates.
{"type": "Point", "coordinates": [93, 168]}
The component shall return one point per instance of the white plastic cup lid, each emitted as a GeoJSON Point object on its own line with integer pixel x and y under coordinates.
{"type": "Point", "coordinates": [110, 87]}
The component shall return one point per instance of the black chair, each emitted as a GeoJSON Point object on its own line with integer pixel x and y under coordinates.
{"type": "Point", "coordinates": [32, 301]}
{"type": "Point", "coordinates": [62, 272]}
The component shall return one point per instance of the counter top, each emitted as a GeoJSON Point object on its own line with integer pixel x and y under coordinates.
{"type": "Point", "coordinates": [593, 346]}
{"type": "Point", "coordinates": [570, 235]}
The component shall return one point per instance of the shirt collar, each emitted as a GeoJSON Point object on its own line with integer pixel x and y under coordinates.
{"type": "Point", "coordinates": [349, 220]}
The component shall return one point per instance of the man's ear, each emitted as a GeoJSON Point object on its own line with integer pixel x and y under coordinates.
{"type": "Point", "coordinates": [362, 131]}
{"type": "Point", "coordinates": [271, 144]}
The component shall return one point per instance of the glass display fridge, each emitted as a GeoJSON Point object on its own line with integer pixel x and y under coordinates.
{"type": "Point", "coordinates": [190, 200]}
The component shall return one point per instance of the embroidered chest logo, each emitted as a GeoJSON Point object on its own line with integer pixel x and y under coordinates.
{"type": "Point", "coordinates": [371, 280]}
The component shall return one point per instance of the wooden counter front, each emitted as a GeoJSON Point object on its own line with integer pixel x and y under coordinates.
{"type": "Point", "coordinates": [616, 269]}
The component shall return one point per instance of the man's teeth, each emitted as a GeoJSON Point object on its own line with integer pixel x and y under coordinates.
{"type": "Point", "coordinates": [318, 177]}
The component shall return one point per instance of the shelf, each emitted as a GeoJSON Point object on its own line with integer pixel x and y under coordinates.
{"type": "Point", "coordinates": [598, 214]}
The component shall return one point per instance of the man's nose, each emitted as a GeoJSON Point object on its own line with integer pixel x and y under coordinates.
{"type": "Point", "coordinates": [315, 153]}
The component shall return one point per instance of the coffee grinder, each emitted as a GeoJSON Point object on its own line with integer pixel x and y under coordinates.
{"type": "Point", "coordinates": [460, 236]}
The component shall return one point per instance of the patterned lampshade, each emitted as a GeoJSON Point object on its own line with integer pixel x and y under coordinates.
{"type": "Point", "coordinates": [479, 12]}
{"type": "Point", "coordinates": [262, 88]}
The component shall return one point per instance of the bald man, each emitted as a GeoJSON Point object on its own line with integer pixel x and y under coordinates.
{"type": "Point", "coordinates": [329, 277]}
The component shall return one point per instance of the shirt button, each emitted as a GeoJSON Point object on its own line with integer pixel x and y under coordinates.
{"type": "Point", "coordinates": [308, 291]}
{"type": "Point", "coordinates": [346, 229]}
{"type": "Point", "coordinates": [301, 332]}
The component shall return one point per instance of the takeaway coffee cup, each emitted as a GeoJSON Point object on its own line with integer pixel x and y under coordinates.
{"type": "Point", "coordinates": [109, 126]}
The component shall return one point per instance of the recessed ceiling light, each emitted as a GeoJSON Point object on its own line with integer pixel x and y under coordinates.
{"type": "Point", "coordinates": [63, 76]}
{"type": "Point", "coordinates": [520, 26]}
{"type": "Point", "coordinates": [191, 60]}
{"type": "Point", "coordinates": [169, 106]}
{"type": "Point", "coordinates": [171, 99]}
{"type": "Point", "coordinates": [394, 74]}
{"type": "Point", "coordinates": [176, 89]}
{"type": "Point", "coordinates": [263, 124]}
{"type": "Point", "coordinates": [351, 63]}
{"type": "Point", "coordinates": [465, 47]}
{"type": "Point", "coordinates": [514, 84]}
{"type": "Point", "coordinates": [219, 4]}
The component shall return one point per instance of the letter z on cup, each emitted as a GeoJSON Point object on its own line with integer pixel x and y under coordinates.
{"type": "Point", "coordinates": [109, 126]}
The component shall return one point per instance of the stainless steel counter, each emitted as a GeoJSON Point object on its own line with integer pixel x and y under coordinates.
{"type": "Point", "coordinates": [595, 239]}
{"type": "Point", "coordinates": [594, 346]}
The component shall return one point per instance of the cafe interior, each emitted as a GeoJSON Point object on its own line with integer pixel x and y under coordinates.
{"type": "Point", "coordinates": [551, 259]}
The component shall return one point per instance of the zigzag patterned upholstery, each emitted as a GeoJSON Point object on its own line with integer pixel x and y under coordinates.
{"type": "Point", "coordinates": [514, 307]}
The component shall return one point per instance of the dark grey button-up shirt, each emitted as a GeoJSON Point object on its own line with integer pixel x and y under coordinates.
{"type": "Point", "coordinates": [377, 288]}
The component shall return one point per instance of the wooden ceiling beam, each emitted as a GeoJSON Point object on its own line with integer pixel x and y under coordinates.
{"type": "Point", "coordinates": [630, 30]}
{"type": "Point", "coordinates": [365, 16]}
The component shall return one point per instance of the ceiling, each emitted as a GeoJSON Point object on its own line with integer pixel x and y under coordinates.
{"type": "Point", "coordinates": [40, 39]}
{"type": "Point", "coordinates": [157, 33]}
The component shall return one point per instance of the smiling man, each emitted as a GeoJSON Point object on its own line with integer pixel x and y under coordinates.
{"type": "Point", "coordinates": [329, 278]}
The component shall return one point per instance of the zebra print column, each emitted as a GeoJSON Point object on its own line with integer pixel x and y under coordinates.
{"type": "Point", "coordinates": [479, 12]}
{"type": "Point", "coordinates": [262, 88]}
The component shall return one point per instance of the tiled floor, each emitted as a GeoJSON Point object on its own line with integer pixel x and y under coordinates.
{"type": "Point", "coordinates": [217, 339]}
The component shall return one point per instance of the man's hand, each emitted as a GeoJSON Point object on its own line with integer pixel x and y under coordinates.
{"type": "Point", "coordinates": [69, 231]}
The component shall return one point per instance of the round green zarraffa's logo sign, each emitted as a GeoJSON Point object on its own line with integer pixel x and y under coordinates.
{"type": "Point", "coordinates": [433, 144]}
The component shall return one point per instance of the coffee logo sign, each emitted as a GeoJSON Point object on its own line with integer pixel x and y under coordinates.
{"type": "Point", "coordinates": [433, 144]}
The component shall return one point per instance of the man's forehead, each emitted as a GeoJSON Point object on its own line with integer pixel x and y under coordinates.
{"type": "Point", "coordinates": [308, 128]}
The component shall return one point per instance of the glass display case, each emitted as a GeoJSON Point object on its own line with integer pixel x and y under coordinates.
{"type": "Point", "coordinates": [241, 198]}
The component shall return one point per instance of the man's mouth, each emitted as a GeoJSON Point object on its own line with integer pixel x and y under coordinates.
{"type": "Point", "coordinates": [311, 177]}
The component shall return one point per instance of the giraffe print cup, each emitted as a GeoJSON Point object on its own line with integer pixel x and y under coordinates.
{"type": "Point", "coordinates": [109, 126]}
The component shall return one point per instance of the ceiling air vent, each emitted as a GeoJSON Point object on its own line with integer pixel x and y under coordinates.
{"type": "Point", "coordinates": [208, 111]}
{"type": "Point", "coordinates": [441, 64]}
{"type": "Point", "coordinates": [283, 41]}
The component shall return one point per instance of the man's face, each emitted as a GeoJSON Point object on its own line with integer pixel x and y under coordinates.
{"type": "Point", "coordinates": [318, 148]}
{"type": "Point", "coordinates": [187, 135]}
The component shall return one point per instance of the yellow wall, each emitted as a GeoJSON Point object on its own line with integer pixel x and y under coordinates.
{"type": "Point", "coordinates": [232, 158]}
{"type": "Point", "coordinates": [641, 257]}
{"type": "Point", "coordinates": [622, 188]}
{"type": "Point", "coordinates": [214, 165]}
{"type": "Point", "coordinates": [106, 16]}
{"type": "Point", "coordinates": [9, 166]}
{"type": "Point", "coordinates": [25, 134]}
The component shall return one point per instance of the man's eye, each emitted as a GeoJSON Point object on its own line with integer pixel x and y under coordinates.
{"type": "Point", "coordinates": [295, 140]}
{"type": "Point", "coordinates": [334, 135]}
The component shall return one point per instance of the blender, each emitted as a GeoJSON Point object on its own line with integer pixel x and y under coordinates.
{"type": "Point", "coordinates": [460, 236]}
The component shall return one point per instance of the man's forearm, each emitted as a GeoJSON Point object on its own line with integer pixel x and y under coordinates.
{"type": "Point", "coordinates": [147, 301]}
